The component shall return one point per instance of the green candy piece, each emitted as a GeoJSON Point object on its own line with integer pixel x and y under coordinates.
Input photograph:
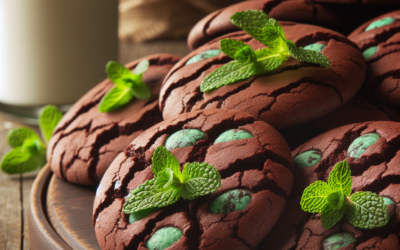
{"type": "Point", "coordinates": [203, 55]}
{"type": "Point", "coordinates": [164, 238]}
{"type": "Point", "coordinates": [338, 241]}
{"type": "Point", "coordinates": [233, 200]}
{"type": "Point", "coordinates": [184, 138]}
{"type": "Point", "coordinates": [137, 216]}
{"type": "Point", "coordinates": [388, 201]}
{"type": "Point", "coordinates": [317, 47]}
{"type": "Point", "coordinates": [368, 53]}
{"type": "Point", "coordinates": [359, 145]}
{"type": "Point", "coordinates": [380, 23]}
{"type": "Point", "coordinates": [233, 134]}
{"type": "Point", "coordinates": [308, 159]}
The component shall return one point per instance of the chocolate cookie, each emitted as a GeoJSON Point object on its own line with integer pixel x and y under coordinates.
{"type": "Point", "coordinates": [291, 95]}
{"type": "Point", "coordinates": [256, 170]}
{"type": "Point", "coordinates": [391, 3]}
{"type": "Point", "coordinates": [379, 40]}
{"type": "Point", "coordinates": [358, 109]}
{"type": "Point", "coordinates": [86, 141]}
{"type": "Point", "coordinates": [372, 150]}
{"type": "Point", "coordinates": [217, 23]}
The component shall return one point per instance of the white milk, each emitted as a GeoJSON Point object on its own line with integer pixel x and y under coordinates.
{"type": "Point", "coordinates": [54, 51]}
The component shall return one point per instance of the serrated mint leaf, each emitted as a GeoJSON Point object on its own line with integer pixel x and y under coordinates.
{"type": "Point", "coordinates": [340, 178]}
{"type": "Point", "coordinates": [17, 161]}
{"type": "Point", "coordinates": [162, 159]}
{"type": "Point", "coordinates": [116, 98]}
{"type": "Point", "coordinates": [366, 210]}
{"type": "Point", "coordinates": [315, 197]}
{"type": "Point", "coordinates": [336, 199]}
{"type": "Point", "coordinates": [231, 72]}
{"type": "Point", "coordinates": [117, 73]}
{"type": "Point", "coordinates": [141, 67]}
{"type": "Point", "coordinates": [276, 37]}
{"type": "Point", "coordinates": [164, 179]}
{"type": "Point", "coordinates": [17, 136]}
{"type": "Point", "coordinates": [146, 196]}
{"type": "Point", "coordinates": [253, 22]}
{"type": "Point", "coordinates": [49, 117]}
{"type": "Point", "coordinates": [331, 216]}
{"type": "Point", "coordinates": [309, 56]}
{"type": "Point", "coordinates": [230, 46]}
{"type": "Point", "coordinates": [269, 59]}
{"type": "Point", "coordinates": [200, 179]}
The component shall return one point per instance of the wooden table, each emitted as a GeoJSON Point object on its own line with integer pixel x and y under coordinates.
{"type": "Point", "coordinates": [15, 191]}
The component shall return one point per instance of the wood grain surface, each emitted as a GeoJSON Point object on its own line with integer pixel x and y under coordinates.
{"type": "Point", "coordinates": [14, 198]}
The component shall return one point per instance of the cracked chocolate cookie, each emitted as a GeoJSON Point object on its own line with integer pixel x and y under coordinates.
{"type": "Point", "coordinates": [293, 94]}
{"type": "Point", "coordinates": [217, 23]}
{"type": "Point", "coordinates": [379, 40]}
{"type": "Point", "coordinates": [372, 149]}
{"type": "Point", "coordinates": [255, 166]}
{"type": "Point", "coordinates": [358, 109]}
{"type": "Point", "coordinates": [85, 142]}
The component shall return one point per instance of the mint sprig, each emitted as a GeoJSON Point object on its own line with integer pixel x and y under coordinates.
{"type": "Point", "coordinates": [170, 184]}
{"type": "Point", "coordinates": [29, 151]}
{"type": "Point", "coordinates": [364, 210]}
{"type": "Point", "coordinates": [127, 86]}
{"type": "Point", "coordinates": [247, 62]}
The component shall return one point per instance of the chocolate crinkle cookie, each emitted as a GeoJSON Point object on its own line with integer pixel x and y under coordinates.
{"type": "Point", "coordinates": [379, 40]}
{"type": "Point", "coordinates": [372, 150]}
{"type": "Point", "coordinates": [358, 109]}
{"type": "Point", "coordinates": [217, 23]}
{"type": "Point", "coordinates": [85, 142]}
{"type": "Point", "coordinates": [293, 94]}
{"type": "Point", "coordinates": [255, 166]}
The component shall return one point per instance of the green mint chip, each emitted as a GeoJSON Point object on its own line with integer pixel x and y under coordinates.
{"type": "Point", "coordinates": [49, 117]}
{"type": "Point", "coordinates": [200, 179]}
{"type": "Point", "coordinates": [315, 197]}
{"type": "Point", "coordinates": [116, 98]}
{"type": "Point", "coordinates": [367, 210]}
{"type": "Point", "coordinates": [340, 178]}
{"type": "Point", "coordinates": [17, 136]}
{"type": "Point", "coordinates": [21, 161]}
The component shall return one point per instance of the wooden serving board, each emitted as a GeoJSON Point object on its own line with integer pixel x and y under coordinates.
{"type": "Point", "coordinates": [60, 215]}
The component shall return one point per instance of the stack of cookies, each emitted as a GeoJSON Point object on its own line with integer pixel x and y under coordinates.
{"type": "Point", "coordinates": [268, 128]}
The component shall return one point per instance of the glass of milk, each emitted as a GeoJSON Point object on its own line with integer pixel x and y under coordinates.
{"type": "Point", "coordinates": [53, 51]}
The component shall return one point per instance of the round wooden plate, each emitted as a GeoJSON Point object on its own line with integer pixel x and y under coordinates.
{"type": "Point", "coordinates": [60, 215]}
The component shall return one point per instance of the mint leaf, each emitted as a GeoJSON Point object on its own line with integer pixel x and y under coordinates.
{"type": "Point", "coordinates": [367, 210]}
{"type": "Point", "coordinates": [331, 216]}
{"type": "Point", "coordinates": [140, 90]}
{"type": "Point", "coordinates": [18, 161]}
{"type": "Point", "coordinates": [253, 22]}
{"type": "Point", "coordinates": [336, 199]}
{"type": "Point", "coordinates": [141, 67]}
{"type": "Point", "coordinates": [17, 136]}
{"type": "Point", "coordinates": [231, 72]}
{"type": "Point", "coordinates": [309, 56]}
{"type": "Point", "coordinates": [200, 179]}
{"type": "Point", "coordinates": [117, 97]}
{"type": "Point", "coordinates": [230, 46]}
{"type": "Point", "coordinates": [146, 196]}
{"type": "Point", "coordinates": [268, 59]}
{"type": "Point", "coordinates": [246, 55]}
{"type": "Point", "coordinates": [49, 117]}
{"type": "Point", "coordinates": [276, 37]}
{"type": "Point", "coordinates": [117, 73]}
{"type": "Point", "coordinates": [315, 197]}
{"type": "Point", "coordinates": [162, 159]}
{"type": "Point", "coordinates": [340, 178]}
